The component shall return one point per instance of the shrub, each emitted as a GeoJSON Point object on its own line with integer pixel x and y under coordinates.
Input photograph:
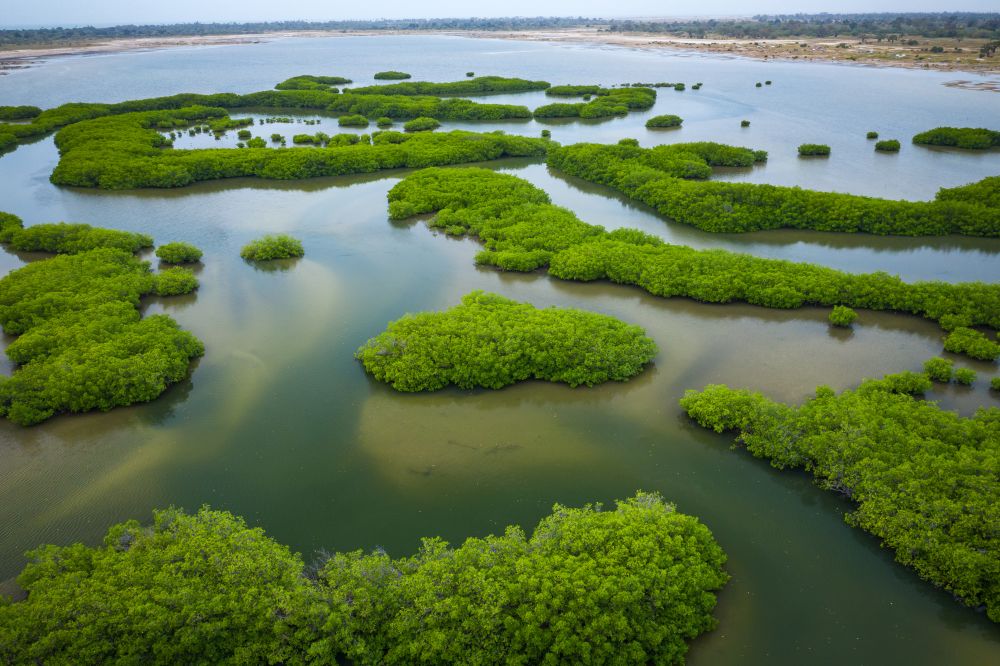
{"type": "Point", "coordinates": [243, 135]}
{"type": "Point", "coordinates": [277, 138]}
{"type": "Point", "coordinates": [628, 142]}
{"type": "Point", "coordinates": [303, 139]}
{"type": "Point", "coordinates": [923, 480]}
{"type": "Point", "coordinates": [307, 82]}
{"type": "Point", "coordinates": [174, 282]}
{"type": "Point", "coordinates": [575, 91]}
{"type": "Point", "coordinates": [428, 351]}
{"type": "Point", "coordinates": [965, 376]}
{"type": "Point", "coordinates": [353, 120]}
{"type": "Point", "coordinates": [811, 149]}
{"type": "Point", "coordinates": [178, 253]}
{"type": "Point", "coordinates": [63, 238]}
{"type": "Point", "coordinates": [470, 74]}
{"type": "Point", "coordinates": [887, 146]}
{"type": "Point", "coordinates": [970, 138]}
{"type": "Point", "coordinates": [390, 75]}
{"type": "Point", "coordinates": [767, 83]}
{"type": "Point", "coordinates": [758, 84]}
{"type": "Point", "coordinates": [995, 383]}
{"type": "Point", "coordinates": [256, 142]}
{"type": "Point", "coordinates": [969, 341]}
{"type": "Point", "coordinates": [479, 86]}
{"type": "Point", "coordinates": [610, 103]}
{"type": "Point", "coordinates": [939, 369]}
{"type": "Point", "coordinates": [421, 125]}
{"type": "Point", "coordinates": [546, 134]}
{"type": "Point", "coordinates": [661, 178]}
{"type": "Point", "coordinates": [678, 87]}
{"type": "Point", "coordinates": [744, 123]}
{"type": "Point", "coordinates": [82, 344]}
{"type": "Point", "coordinates": [9, 225]}
{"type": "Point", "coordinates": [384, 122]}
{"type": "Point", "coordinates": [664, 121]}
{"type": "Point", "coordinates": [842, 316]}
{"type": "Point", "coordinates": [273, 246]}
{"type": "Point", "coordinates": [872, 135]}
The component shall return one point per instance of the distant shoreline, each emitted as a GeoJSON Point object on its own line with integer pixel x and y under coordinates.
{"type": "Point", "coordinates": [782, 50]}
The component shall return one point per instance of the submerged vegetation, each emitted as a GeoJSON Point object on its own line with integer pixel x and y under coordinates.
{"type": "Point", "coordinates": [490, 341]}
{"type": "Point", "coordinates": [522, 231]}
{"type": "Point", "coordinates": [82, 344]}
{"type": "Point", "coordinates": [662, 178]}
{"type": "Point", "coordinates": [970, 138]}
{"type": "Point", "coordinates": [477, 86]}
{"type": "Point", "coordinates": [925, 481]}
{"type": "Point", "coordinates": [125, 151]}
{"type": "Point", "coordinates": [636, 582]}
{"type": "Point", "coordinates": [272, 246]}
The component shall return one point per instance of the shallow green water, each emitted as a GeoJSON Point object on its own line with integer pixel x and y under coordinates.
{"type": "Point", "coordinates": [279, 424]}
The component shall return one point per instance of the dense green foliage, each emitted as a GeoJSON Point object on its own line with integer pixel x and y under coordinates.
{"type": "Point", "coordinates": [383, 122]}
{"type": "Point", "coordinates": [963, 340]}
{"type": "Point", "coordinates": [628, 585]}
{"type": "Point", "coordinates": [201, 589]}
{"type": "Point", "coordinates": [352, 120]}
{"type": "Point", "coordinates": [478, 86]}
{"type": "Point", "coordinates": [887, 146]}
{"type": "Point", "coordinates": [925, 481]}
{"type": "Point", "coordinates": [490, 341]}
{"type": "Point", "coordinates": [965, 376]}
{"type": "Point", "coordinates": [390, 75]}
{"type": "Point", "coordinates": [939, 369]}
{"type": "Point", "coordinates": [178, 253]}
{"type": "Point", "coordinates": [522, 231]}
{"type": "Point", "coordinates": [664, 121]}
{"type": "Point", "coordinates": [308, 82]}
{"type": "Point", "coordinates": [124, 151]}
{"type": "Point", "coordinates": [575, 91]}
{"type": "Point", "coordinates": [842, 316]}
{"type": "Point", "coordinates": [18, 112]}
{"type": "Point", "coordinates": [995, 383]}
{"type": "Point", "coordinates": [272, 246]}
{"type": "Point", "coordinates": [611, 102]}
{"type": "Point", "coordinates": [971, 138]}
{"type": "Point", "coordinates": [82, 345]}
{"type": "Point", "coordinates": [813, 149]}
{"type": "Point", "coordinates": [872, 135]}
{"type": "Point", "coordinates": [421, 125]}
{"type": "Point", "coordinates": [404, 107]}
{"type": "Point", "coordinates": [656, 177]}
{"type": "Point", "coordinates": [63, 238]}
{"type": "Point", "coordinates": [174, 281]}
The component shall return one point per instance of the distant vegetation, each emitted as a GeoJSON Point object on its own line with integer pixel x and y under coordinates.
{"type": "Point", "coordinates": [18, 112]}
{"type": "Point", "coordinates": [178, 253]}
{"type": "Point", "coordinates": [352, 120]}
{"type": "Point", "coordinates": [522, 231]}
{"type": "Point", "coordinates": [275, 246]}
{"type": "Point", "coordinates": [121, 152]}
{"type": "Point", "coordinates": [970, 138]}
{"type": "Point", "coordinates": [478, 86]}
{"type": "Point", "coordinates": [610, 102]}
{"type": "Point", "coordinates": [82, 345]}
{"type": "Point", "coordinates": [664, 121]}
{"type": "Point", "coordinates": [925, 481]}
{"type": "Point", "coordinates": [887, 146]}
{"type": "Point", "coordinates": [577, 590]}
{"type": "Point", "coordinates": [432, 350]}
{"type": "Point", "coordinates": [872, 135]}
{"type": "Point", "coordinates": [662, 177]}
{"type": "Point", "coordinates": [575, 91]}
{"type": "Point", "coordinates": [390, 75]}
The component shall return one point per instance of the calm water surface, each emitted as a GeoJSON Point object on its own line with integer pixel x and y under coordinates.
{"type": "Point", "coordinates": [278, 423]}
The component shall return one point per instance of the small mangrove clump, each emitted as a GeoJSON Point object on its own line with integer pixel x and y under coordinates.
{"type": "Point", "coordinates": [272, 246]}
{"type": "Point", "coordinates": [872, 135]}
{"type": "Point", "coordinates": [842, 315]}
{"type": "Point", "coordinates": [391, 75]}
{"type": "Point", "coordinates": [353, 120]}
{"type": "Point", "coordinates": [814, 150]}
{"type": "Point", "coordinates": [995, 383]}
{"type": "Point", "coordinates": [178, 253]}
{"type": "Point", "coordinates": [383, 122]}
{"type": "Point", "coordinates": [174, 282]}
{"type": "Point", "coordinates": [422, 124]}
{"type": "Point", "coordinates": [887, 146]}
{"type": "Point", "coordinates": [490, 341]}
{"type": "Point", "coordinates": [970, 138]}
{"type": "Point", "coordinates": [744, 123]}
{"type": "Point", "coordinates": [939, 369]}
{"type": "Point", "coordinates": [664, 121]}
{"type": "Point", "coordinates": [966, 376]}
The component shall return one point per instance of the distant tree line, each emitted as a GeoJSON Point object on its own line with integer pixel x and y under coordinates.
{"type": "Point", "coordinates": [948, 24]}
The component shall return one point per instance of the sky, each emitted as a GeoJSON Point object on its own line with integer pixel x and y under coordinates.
{"type": "Point", "coordinates": [112, 12]}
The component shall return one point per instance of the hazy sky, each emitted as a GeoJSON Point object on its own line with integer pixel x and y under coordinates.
{"type": "Point", "coordinates": [95, 12]}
